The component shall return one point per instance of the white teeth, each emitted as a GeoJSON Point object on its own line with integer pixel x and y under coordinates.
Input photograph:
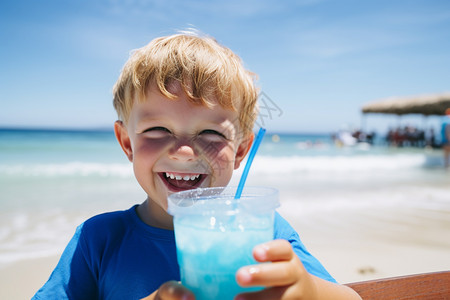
{"type": "Point", "coordinates": [179, 177]}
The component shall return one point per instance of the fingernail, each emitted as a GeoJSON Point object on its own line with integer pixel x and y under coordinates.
{"type": "Point", "coordinates": [245, 275]}
{"type": "Point", "coordinates": [261, 252]}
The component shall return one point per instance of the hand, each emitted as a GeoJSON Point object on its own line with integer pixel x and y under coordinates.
{"type": "Point", "coordinates": [171, 290]}
{"type": "Point", "coordinates": [284, 278]}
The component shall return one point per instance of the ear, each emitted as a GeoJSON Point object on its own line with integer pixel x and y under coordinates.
{"type": "Point", "coordinates": [242, 150]}
{"type": "Point", "coordinates": [123, 138]}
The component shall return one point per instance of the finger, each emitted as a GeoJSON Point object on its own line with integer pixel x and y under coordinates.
{"type": "Point", "coordinates": [268, 274]}
{"type": "Point", "coordinates": [266, 294]}
{"type": "Point", "coordinates": [173, 290]}
{"type": "Point", "coordinates": [276, 250]}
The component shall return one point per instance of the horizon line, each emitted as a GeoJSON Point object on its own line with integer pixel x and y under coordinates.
{"type": "Point", "coordinates": [108, 129]}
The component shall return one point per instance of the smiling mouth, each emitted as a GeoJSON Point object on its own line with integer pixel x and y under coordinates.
{"type": "Point", "coordinates": [177, 182]}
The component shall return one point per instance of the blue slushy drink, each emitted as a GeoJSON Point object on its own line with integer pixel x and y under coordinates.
{"type": "Point", "coordinates": [215, 236]}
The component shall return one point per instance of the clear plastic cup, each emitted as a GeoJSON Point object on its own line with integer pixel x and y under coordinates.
{"type": "Point", "coordinates": [215, 236]}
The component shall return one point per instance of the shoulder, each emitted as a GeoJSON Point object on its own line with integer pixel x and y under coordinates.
{"type": "Point", "coordinates": [108, 224]}
{"type": "Point", "coordinates": [108, 218]}
{"type": "Point", "coordinates": [283, 230]}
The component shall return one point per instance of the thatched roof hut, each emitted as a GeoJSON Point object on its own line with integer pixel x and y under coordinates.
{"type": "Point", "coordinates": [434, 104]}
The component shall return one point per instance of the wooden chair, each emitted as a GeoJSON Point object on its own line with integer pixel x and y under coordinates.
{"type": "Point", "coordinates": [432, 286]}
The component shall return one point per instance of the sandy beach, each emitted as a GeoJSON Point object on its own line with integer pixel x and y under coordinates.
{"type": "Point", "coordinates": [22, 279]}
{"type": "Point", "coordinates": [365, 247]}
{"type": "Point", "coordinates": [348, 259]}
{"type": "Point", "coordinates": [361, 248]}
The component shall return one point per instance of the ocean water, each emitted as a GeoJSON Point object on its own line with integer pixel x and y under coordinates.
{"type": "Point", "coordinates": [50, 181]}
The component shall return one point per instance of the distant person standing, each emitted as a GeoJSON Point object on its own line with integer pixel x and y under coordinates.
{"type": "Point", "coordinates": [445, 133]}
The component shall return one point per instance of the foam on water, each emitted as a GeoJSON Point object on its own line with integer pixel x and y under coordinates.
{"type": "Point", "coordinates": [339, 164]}
{"type": "Point", "coordinates": [25, 235]}
{"type": "Point", "coordinates": [76, 168]}
{"type": "Point", "coordinates": [263, 165]}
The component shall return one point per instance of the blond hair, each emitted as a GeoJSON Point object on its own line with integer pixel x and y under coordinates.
{"type": "Point", "coordinates": [208, 73]}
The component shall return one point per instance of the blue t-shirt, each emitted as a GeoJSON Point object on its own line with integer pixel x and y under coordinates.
{"type": "Point", "coordinates": [117, 256]}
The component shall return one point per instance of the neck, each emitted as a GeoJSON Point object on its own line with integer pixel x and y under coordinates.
{"type": "Point", "coordinates": [154, 215]}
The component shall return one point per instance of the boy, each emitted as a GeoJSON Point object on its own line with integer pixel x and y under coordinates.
{"type": "Point", "coordinates": [186, 110]}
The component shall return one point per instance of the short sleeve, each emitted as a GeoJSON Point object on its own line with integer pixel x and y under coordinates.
{"type": "Point", "coordinates": [283, 230]}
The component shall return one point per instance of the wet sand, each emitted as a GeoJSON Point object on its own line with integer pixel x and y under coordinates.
{"type": "Point", "coordinates": [355, 241]}
{"type": "Point", "coordinates": [349, 255]}
{"type": "Point", "coordinates": [369, 242]}
{"type": "Point", "coordinates": [22, 279]}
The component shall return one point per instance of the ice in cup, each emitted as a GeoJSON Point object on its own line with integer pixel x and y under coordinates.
{"type": "Point", "coordinates": [215, 236]}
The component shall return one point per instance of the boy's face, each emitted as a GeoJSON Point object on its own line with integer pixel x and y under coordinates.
{"type": "Point", "coordinates": [176, 145]}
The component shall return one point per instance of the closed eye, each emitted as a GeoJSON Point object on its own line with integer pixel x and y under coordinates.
{"type": "Point", "coordinates": [157, 128]}
{"type": "Point", "coordinates": [212, 132]}
{"type": "Point", "coordinates": [157, 132]}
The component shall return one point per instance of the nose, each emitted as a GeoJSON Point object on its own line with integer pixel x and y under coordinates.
{"type": "Point", "coordinates": [183, 152]}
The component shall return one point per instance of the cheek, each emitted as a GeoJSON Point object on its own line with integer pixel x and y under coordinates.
{"type": "Point", "coordinates": [150, 148]}
{"type": "Point", "coordinates": [220, 153]}
{"type": "Point", "coordinates": [223, 166]}
{"type": "Point", "coordinates": [145, 154]}
{"type": "Point", "coordinates": [220, 158]}
{"type": "Point", "coordinates": [226, 157]}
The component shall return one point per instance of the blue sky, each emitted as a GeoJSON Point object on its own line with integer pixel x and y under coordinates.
{"type": "Point", "coordinates": [318, 60]}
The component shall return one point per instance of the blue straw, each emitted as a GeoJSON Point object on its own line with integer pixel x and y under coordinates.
{"type": "Point", "coordinates": [255, 147]}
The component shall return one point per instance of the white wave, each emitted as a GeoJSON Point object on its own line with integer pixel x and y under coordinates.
{"type": "Point", "coordinates": [423, 198]}
{"type": "Point", "coordinates": [262, 164]}
{"type": "Point", "coordinates": [25, 235]}
{"type": "Point", "coordinates": [68, 169]}
{"type": "Point", "coordinates": [267, 164]}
